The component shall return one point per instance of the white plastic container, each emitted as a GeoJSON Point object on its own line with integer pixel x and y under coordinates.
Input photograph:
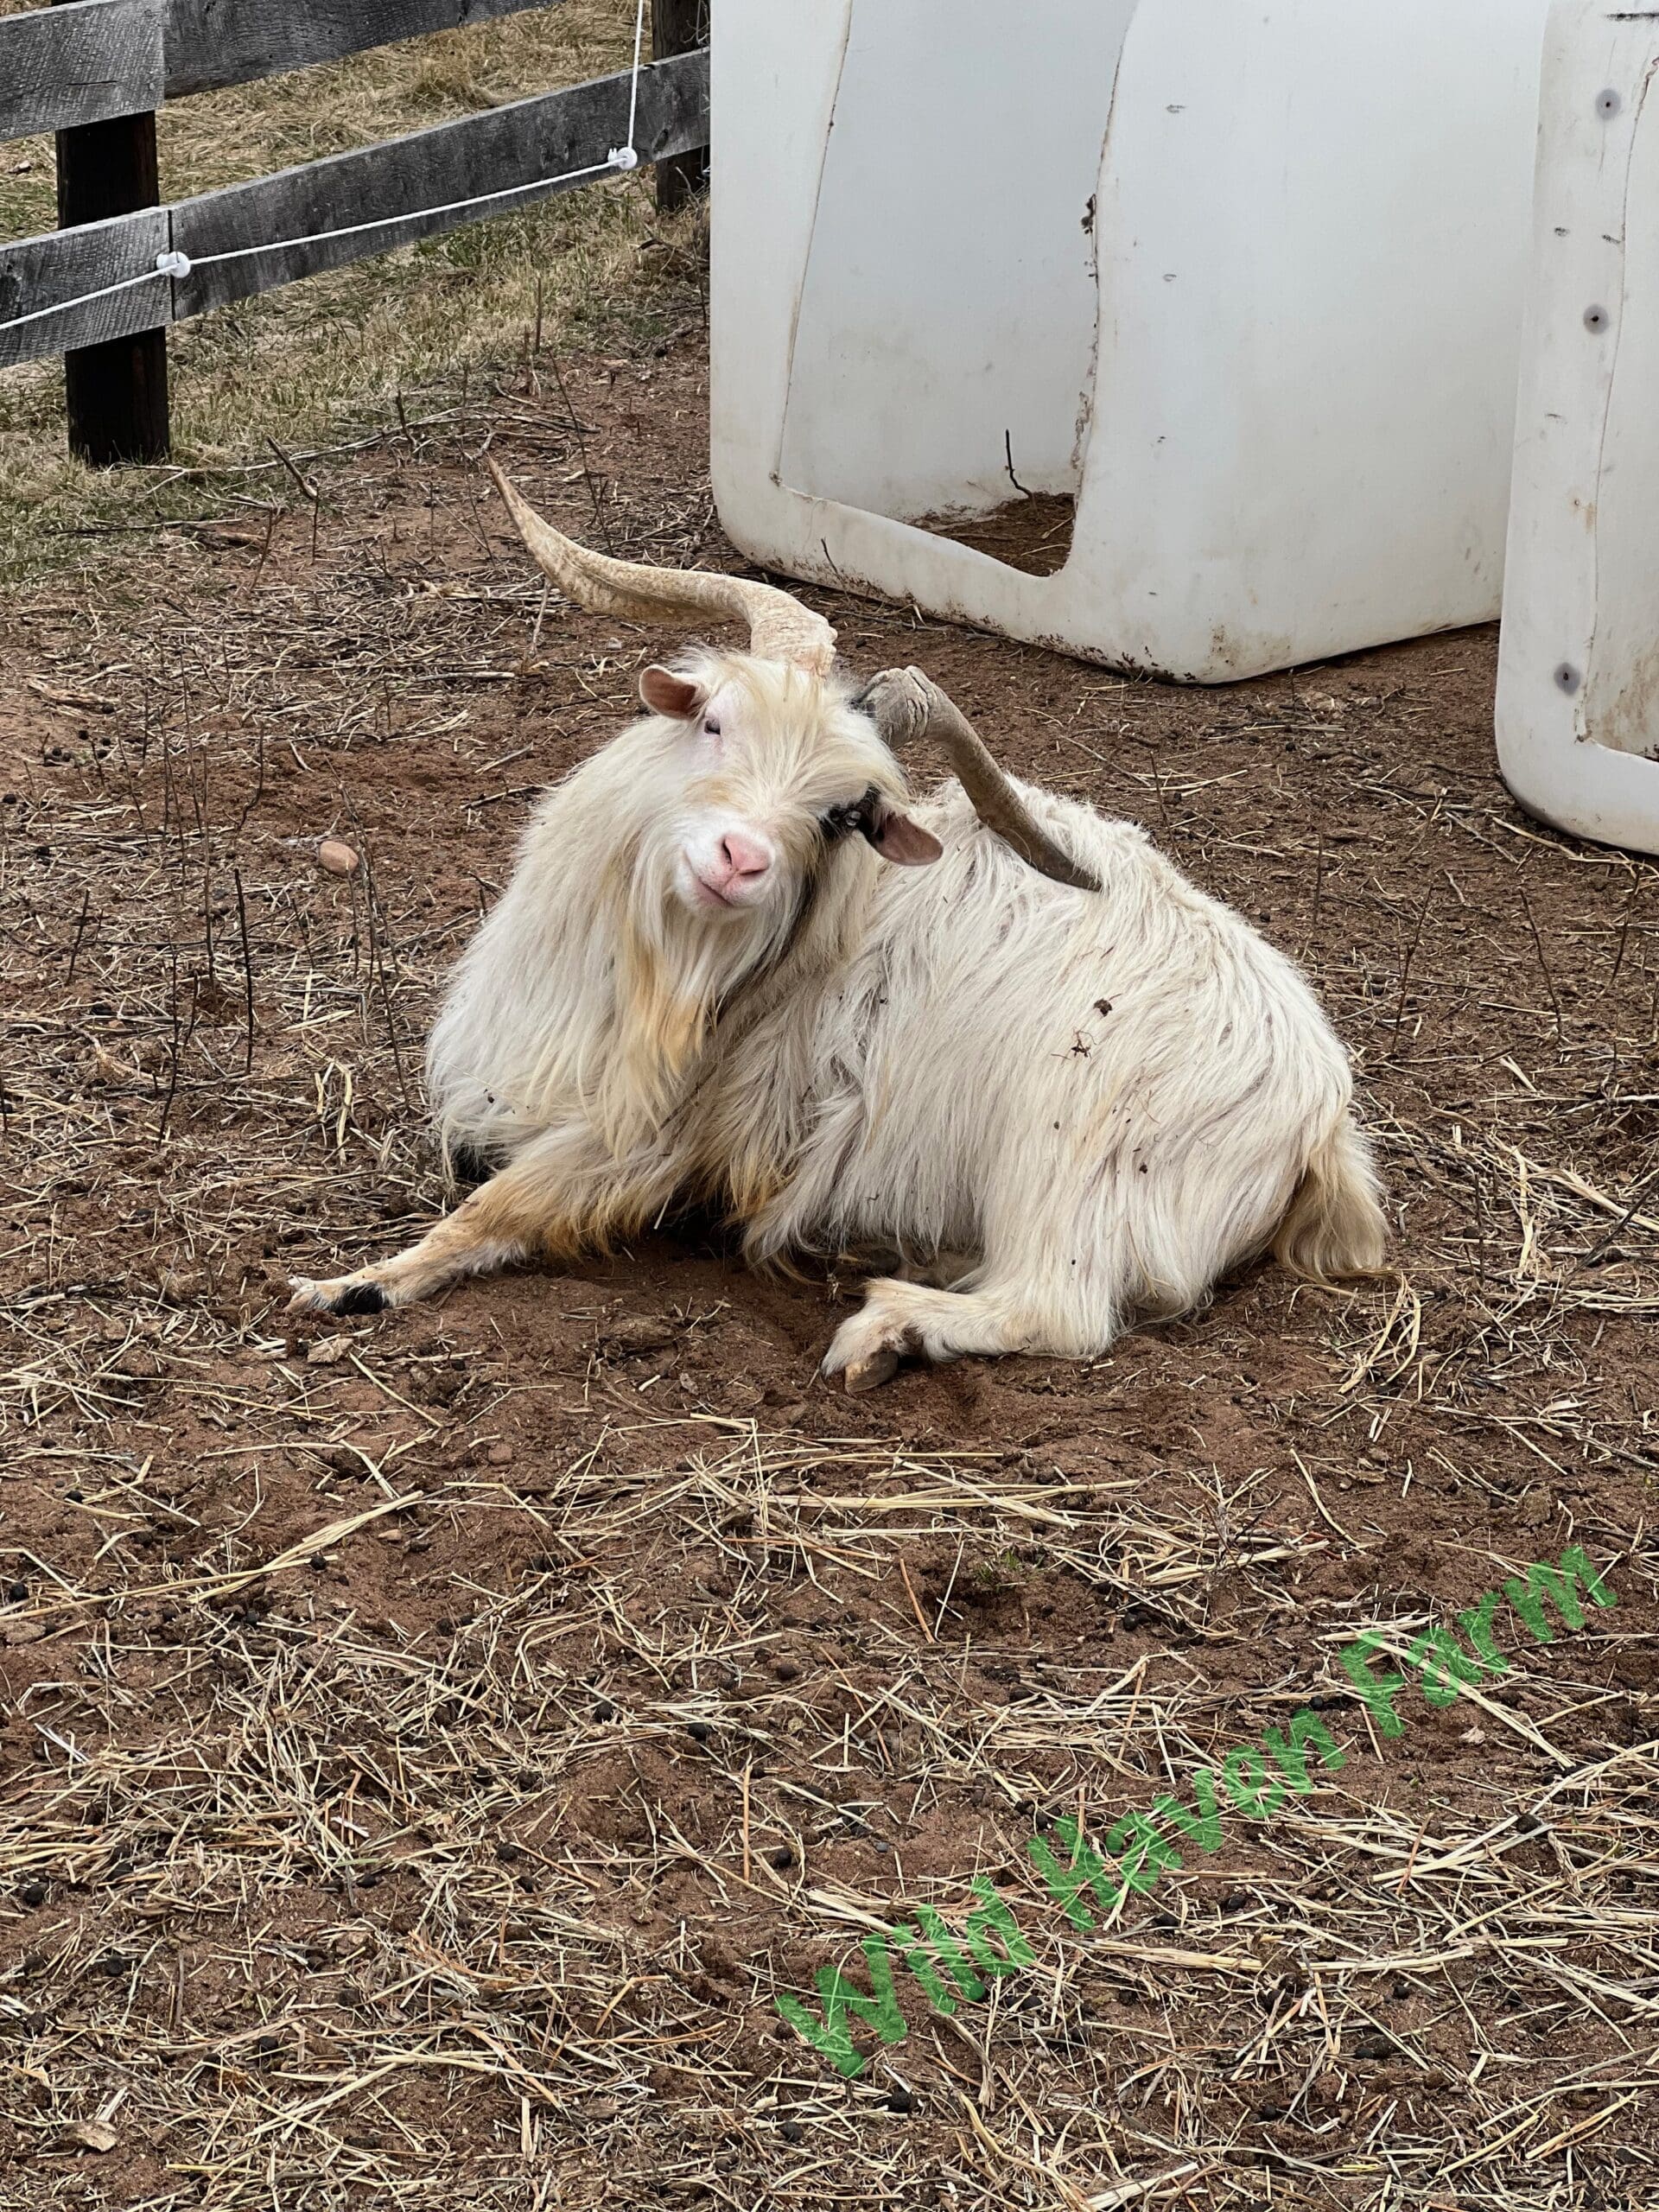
{"type": "Point", "coordinates": [1246, 280]}
{"type": "Point", "coordinates": [1577, 693]}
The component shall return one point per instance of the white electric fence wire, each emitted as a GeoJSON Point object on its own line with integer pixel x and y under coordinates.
{"type": "Point", "coordinates": [620, 158]}
{"type": "Point", "coordinates": [85, 299]}
{"type": "Point", "coordinates": [633, 82]}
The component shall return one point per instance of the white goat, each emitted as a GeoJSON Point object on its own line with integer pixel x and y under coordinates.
{"type": "Point", "coordinates": [1056, 1108]}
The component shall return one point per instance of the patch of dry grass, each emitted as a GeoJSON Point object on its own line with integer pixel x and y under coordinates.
{"type": "Point", "coordinates": [332, 358]}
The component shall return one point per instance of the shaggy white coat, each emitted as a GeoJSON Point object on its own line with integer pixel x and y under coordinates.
{"type": "Point", "coordinates": [1056, 1110]}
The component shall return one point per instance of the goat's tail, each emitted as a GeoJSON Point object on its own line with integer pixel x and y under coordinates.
{"type": "Point", "coordinates": [1335, 1227]}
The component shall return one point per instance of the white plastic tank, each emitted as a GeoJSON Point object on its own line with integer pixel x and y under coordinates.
{"type": "Point", "coordinates": [1578, 694]}
{"type": "Point", "coordinates": [1213, 310]}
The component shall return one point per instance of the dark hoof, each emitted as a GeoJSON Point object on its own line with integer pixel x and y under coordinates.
{"type": "Point", "coordinates": [864, 1375]}
{"type": "Point", "coordinates": [361, 1298]}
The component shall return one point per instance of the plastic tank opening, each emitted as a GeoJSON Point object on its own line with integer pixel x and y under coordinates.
{"type": "Point", "coordinates": [942, 368]}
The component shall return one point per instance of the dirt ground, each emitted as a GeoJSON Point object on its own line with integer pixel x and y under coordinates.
{"type": "Point", "coordinates": [429, 1744]}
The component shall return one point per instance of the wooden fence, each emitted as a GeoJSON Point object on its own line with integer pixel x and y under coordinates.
{"type": "Point", "coordinates": [95, 71]}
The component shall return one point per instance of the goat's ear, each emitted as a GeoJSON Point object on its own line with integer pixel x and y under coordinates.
{"type": "Point", "coordinates": [677, 696]}
{"type": "Point", "coordinates": [896, 837]}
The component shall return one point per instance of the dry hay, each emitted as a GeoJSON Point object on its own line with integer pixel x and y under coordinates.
{"type": "Point", "coordinates": [431, 1745]}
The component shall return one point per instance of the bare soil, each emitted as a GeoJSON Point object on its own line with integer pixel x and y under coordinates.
{"type": "Point", "coordinates": [1032, 533]}
{"type": "Point", "coordinates": [428, 1744]}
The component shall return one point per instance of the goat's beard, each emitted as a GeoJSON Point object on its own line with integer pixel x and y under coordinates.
{"type": "Point", "coordinates": [676, 971]}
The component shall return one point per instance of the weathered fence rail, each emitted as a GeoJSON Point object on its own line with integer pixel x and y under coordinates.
{"type": "Point", "coordinates": [94, 70]}
{"type": "Point", "coordinates": [272, 223]}
{"type": "Point", "coordinates": [83, 61]}
{"type": "Point", "coordinates": [79, 64]}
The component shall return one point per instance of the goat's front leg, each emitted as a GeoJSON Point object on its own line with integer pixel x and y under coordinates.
{"type": "Point", "coordinates": [900, 1320]}
{"type": "Point", "coordinates": [559, 1195]}
{"type": "Point", "coordinates": [1012, 1309]}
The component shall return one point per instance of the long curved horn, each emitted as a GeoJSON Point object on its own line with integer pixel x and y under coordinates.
{"type": "Point", "coordinates": [780, 628]}
{"type": "Point", "coordinates": [905, 706]}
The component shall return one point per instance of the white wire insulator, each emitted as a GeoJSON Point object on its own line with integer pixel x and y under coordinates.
{"type": "Point", "coordinates": [172, 265]}
{"type": "Point", "coordinates": [624, 157]}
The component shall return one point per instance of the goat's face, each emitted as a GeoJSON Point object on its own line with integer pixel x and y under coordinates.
{"type": "Point", "coordinates": [762, 770]}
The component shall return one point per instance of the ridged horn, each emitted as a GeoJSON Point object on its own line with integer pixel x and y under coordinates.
{"type": "Point", "coordinates": [779, 627]}
{"type": "Point", "coordinates": [908, 708]}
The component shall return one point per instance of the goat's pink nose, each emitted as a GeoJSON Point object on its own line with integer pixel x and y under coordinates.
{"type": "Point", "coordinates": [745, 856]}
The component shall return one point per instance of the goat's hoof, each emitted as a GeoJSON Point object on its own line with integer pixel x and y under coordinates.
{"type": "Point", "coordinates": [868, 1348]}
{"type": "Point", "coordinates": [341, 1296]}
{"type": "Point", "coordinates": [862, 1374]}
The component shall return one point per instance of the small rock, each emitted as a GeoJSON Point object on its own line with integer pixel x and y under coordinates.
{"type": "Point", "coordinates": [338, 858]}
{"type": "Point", "coordinates": [108, 1069]}
{"type": "Point", "coordinates": [327, 1351]}
{"type": "Point", "coordinates": [94, 2135]}
{"type": "Point", "coordinates": [500, 1455]}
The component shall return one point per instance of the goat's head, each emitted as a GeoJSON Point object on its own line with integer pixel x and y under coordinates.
{"type": "Point", "coordinates": [756, 766]}
{"type": "Point", "coordinates": [762, 770]}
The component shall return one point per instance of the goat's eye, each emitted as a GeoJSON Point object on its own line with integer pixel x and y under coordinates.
{"type": "Point", "coordinates": [841, 820]}
{"type": "Point", "coordinates": [711, 728]}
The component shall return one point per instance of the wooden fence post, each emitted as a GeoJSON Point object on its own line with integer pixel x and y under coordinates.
{"type": "Point", "coordinates": [117, 390]}
{"type": "Point", "coordinates": [679, 27]}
